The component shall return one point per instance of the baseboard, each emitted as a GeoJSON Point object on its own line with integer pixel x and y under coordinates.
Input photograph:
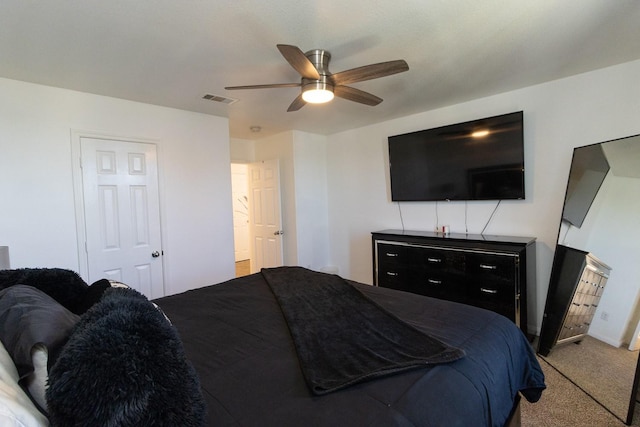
{"type": "Point", "coordinates": [615, 343]}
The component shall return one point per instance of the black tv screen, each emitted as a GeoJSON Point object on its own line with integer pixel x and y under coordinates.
{"type": "Point", "coordinates": [476, 160]}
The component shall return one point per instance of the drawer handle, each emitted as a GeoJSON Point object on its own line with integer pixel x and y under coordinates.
{"type": "Point", "coordinates": [489, 291]}
{"type": "Point", "coordinates": [390, 273]}
{"type": "Point", "coordinates": [434, 281]}
{"type": "Point", "coordinates": [391, 254]}
{"type": "Point", "coordinates": [488, 267]}
{"type": "Point", "coordinates": [434, 260]}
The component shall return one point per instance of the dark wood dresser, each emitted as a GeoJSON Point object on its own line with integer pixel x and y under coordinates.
{"type": "Point", "coordinates": [491, 272]}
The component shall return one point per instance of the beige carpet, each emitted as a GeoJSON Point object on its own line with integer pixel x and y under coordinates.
{"type": "Point", "coordinates": [565, 405]}
{"type": "Point", "coordinates": [603, 371]}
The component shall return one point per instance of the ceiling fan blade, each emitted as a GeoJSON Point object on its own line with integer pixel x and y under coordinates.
{"type": "Point", "coordinates": [299, 61]}
{"type": "Point", "coordinates": [269, 86]}
{"type": "Point", "coordinates": [356, 95]}
{"type": "Point", "coordinates": [369, 72]}
{"type": "Point", "coordinates": [297, 104]}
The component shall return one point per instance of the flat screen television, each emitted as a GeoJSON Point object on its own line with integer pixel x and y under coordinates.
{"type": "Point", "coordinates": [476, 160]}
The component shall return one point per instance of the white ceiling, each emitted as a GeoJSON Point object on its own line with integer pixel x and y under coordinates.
{"type": "Point", "coordinates": [172, 52]}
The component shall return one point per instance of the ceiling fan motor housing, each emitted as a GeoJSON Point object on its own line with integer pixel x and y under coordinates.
{"type": "Point", "coordinates": [320, 59]}
{"type": "Point", "coordinates": [323, 84]}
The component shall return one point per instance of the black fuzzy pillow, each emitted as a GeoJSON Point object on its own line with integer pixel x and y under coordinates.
{"type": "Point", "coordinates": [124, 365]}
{"type": "Point", "coordinates": [64, 286]}
{"type": "Point", "coordinates": [92, 295]}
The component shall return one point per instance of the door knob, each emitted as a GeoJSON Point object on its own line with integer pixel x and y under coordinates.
{"type": "Point", "coordinates": [155, 254]}
{"type": "Point", "coordinates": [278, 233]}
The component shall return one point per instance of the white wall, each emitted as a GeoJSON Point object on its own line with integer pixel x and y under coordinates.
{"type": "Point", "coordinates": [37, 219]}
{"type": "Point", "coordinates": [310, 170]}
{"type": "Point", "coordinates": [242, 150]}
{"type": "Point", "coordinates": [558, 116]}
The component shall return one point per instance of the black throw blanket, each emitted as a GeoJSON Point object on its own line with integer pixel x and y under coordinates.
{"type": "Point", "coordinates": [342, 337]}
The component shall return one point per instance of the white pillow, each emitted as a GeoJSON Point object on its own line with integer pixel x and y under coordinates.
{"type": "Point", "coordinates": [36, 382]}
{"type": "Point", "coordinates": [16, 409]}
{"type": "Point", "coordinates": [116, 284]}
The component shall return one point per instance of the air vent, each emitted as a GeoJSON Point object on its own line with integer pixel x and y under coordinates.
{"type": "Point", "coordinates": [218, 98]}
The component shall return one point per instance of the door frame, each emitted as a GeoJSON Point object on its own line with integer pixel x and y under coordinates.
{"type": "Point", "coordinates": [78, 193]}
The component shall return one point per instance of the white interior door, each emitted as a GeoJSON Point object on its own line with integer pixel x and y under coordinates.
{"type": "Point", "coordinates": [265, 220]}
{"type": "Point", "coordinates": [122, 213]}
{"type": "Point", "coordinates": [239, 189]}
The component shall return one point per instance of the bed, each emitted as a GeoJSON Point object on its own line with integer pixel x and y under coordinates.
{"type": "Point", "coordinates": [229, 355]}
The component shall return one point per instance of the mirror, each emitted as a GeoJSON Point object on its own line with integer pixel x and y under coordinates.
{"type": "Point", "coordinates": [591, 325]}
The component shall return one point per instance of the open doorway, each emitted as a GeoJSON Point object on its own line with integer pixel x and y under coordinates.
{"type": "Point", "coordinates": [257, 219]}
{"type": "Point", "coordinates": [239, 191]}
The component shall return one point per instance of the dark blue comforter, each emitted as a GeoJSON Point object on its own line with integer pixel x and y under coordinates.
{"type": "Point", "coordinates": [237, 338]}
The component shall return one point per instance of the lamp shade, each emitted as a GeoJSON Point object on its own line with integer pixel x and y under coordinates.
{"type": "Point", "coordinates": [317, 96]}
{"type": "Point", "coordinates": [4, 258]}
{"type": "Point", "coordinates": [317, 92]}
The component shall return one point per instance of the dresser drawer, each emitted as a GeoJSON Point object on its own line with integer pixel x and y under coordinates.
{"type": "Point", "coordinates": [439, 260]}
{"type": "Point", "coordinates": [390, 255]}
{"type": "Point", "coordinates": [492, 267]}
{"type": "Point", "coordinates": [499, 298]}
{"type": "Point", "coordinates": [438, 284]}
{"type": "Point", "coordinates": [394, 279]}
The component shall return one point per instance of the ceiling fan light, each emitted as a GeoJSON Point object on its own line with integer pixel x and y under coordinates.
{"type": "Point", "coordinates": [317, 96]}
{"type": "Point", "coordinates": [317, 93]}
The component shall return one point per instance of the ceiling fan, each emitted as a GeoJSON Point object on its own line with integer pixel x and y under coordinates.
{"type": "Point", "coordinates": [319, 85]}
